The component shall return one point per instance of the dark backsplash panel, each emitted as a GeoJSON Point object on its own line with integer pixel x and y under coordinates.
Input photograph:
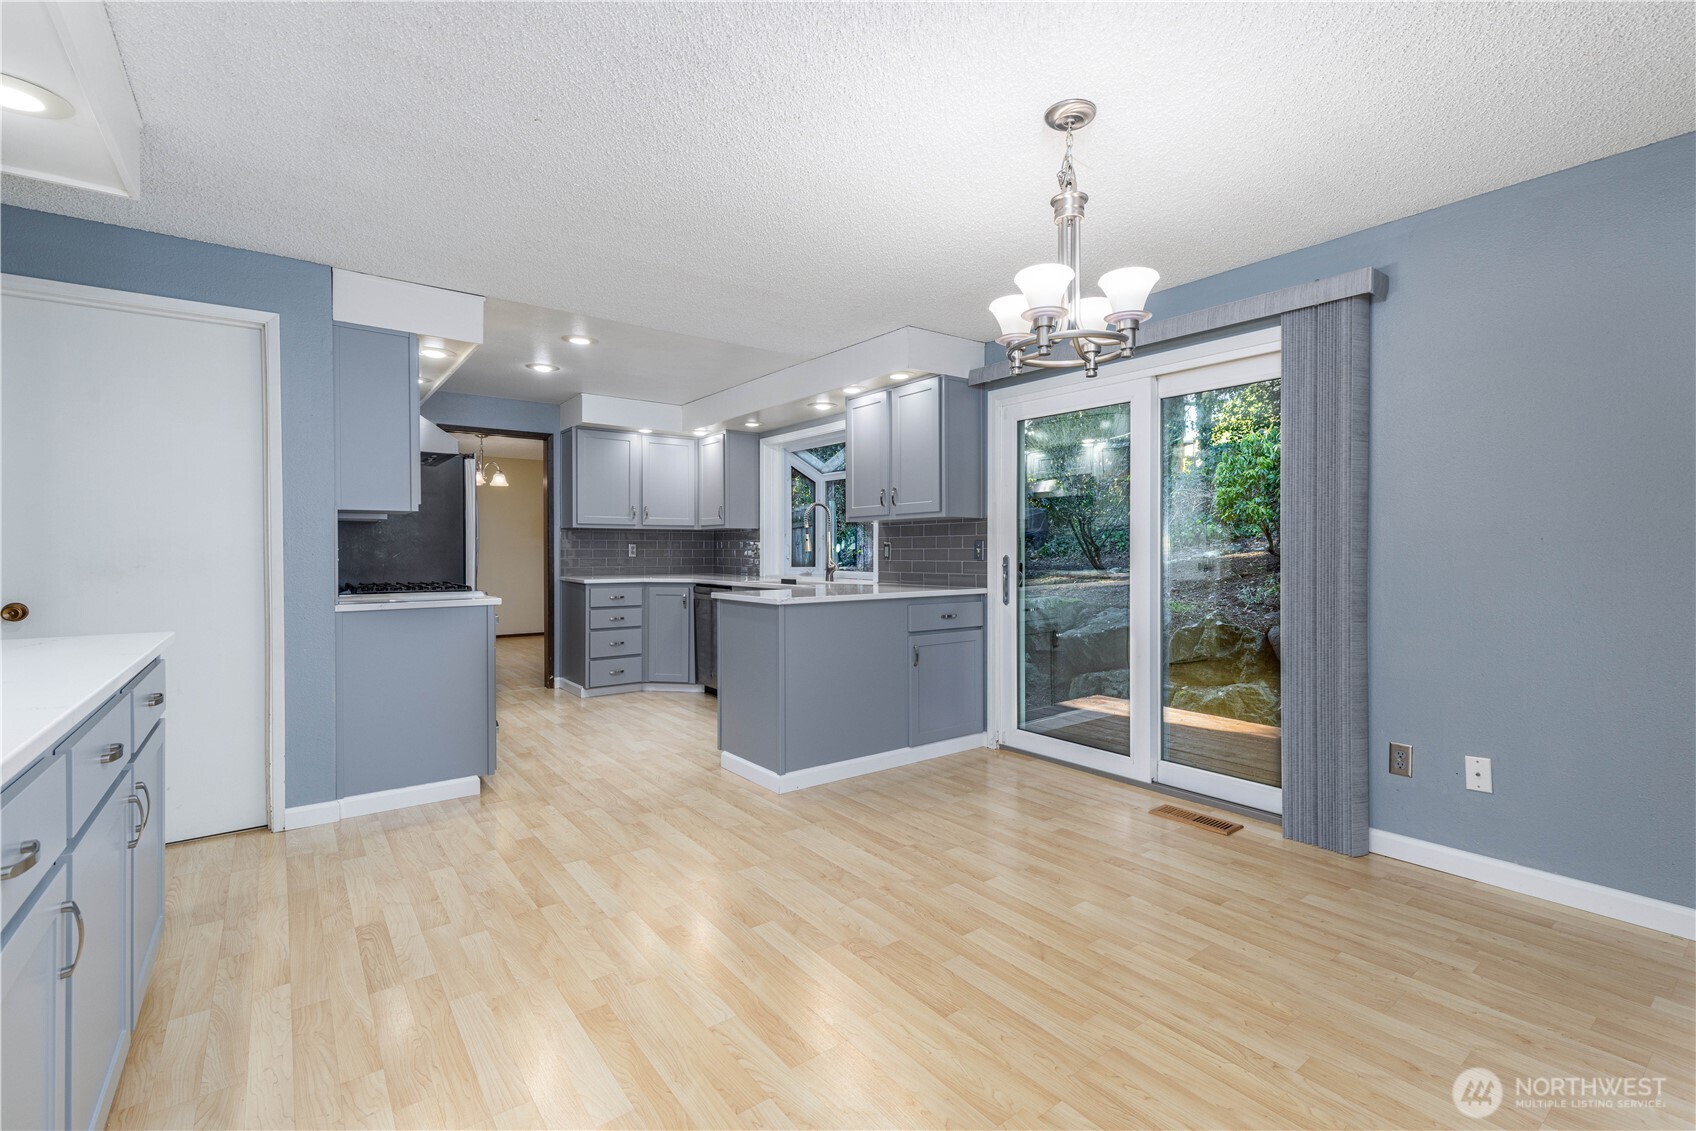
{"type": "Point", "coordinates": [934, 553]}
{"type": "Point", "coordinates": [735, 552]}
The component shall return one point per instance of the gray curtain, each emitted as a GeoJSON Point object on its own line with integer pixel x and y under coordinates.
{"type": "Point", "coordinates": [1324, 529]}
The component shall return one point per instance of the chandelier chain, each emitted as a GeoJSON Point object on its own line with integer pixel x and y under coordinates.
{"type": "Point", "coordinates": [1067, 176]}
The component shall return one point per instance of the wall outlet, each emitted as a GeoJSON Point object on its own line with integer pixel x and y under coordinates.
{"type": "Point", "coordinates": [977, 550]}
{"type": "Point", "coordinates": [1478, 774]}
{"type": "Point", "coordinates": [632, 549]}
{"type": "Point", "coordinates": [888, 549]}
{"type": "Point", "coordinates": [1401, 759]}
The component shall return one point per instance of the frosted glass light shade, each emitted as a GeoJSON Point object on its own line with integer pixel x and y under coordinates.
{"type": "Point", "coordinates": [1092, 313]}
{"type": "Point", "coordinates": [1009, 311]}
{"type": "Point", "coordinates": [498, 479]}
{"type": "Point", "coordinates": [1127, 289]}
{"type": "Point", "coordinates": [1044, 286]}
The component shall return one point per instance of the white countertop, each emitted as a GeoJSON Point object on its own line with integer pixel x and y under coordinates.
{"type": "Point", "coordinates": [49, 684]}
{"type": "Point", "coordinates": [672, 579]}
{"type": "Point", "coordinates": [844, 591]}
{"type": "Point", "coordinates": [391, 604]}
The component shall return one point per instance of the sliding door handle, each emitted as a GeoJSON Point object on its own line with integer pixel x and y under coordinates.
{"type": "Point", "coordinates": [1006, 580]}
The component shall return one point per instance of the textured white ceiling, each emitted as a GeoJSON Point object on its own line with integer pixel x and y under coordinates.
{"type": "Point", "coordinates": [793, 178]}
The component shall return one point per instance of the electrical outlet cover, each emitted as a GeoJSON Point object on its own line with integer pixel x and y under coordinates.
{"type": "Point", "coordinates": [632, 550]}
{"type": "Point", "coordinates": [1401, 759]}
{"type": "Point", "coordinates": [1478, 774]}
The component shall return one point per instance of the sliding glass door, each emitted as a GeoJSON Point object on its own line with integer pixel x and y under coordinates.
{"type": "Point", "coordinates": [1074, 603]}
{"type": "Point", "coordinates": [1134, 521]}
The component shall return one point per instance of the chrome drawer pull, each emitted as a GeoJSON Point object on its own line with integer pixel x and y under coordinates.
{"type": "Point", "coordinates": [113, 753]}
{"type": "Point", "coordinates": [616, 671]}
{"type": "Point", "coordinates": [950, 616]}
{"type": "Point", "coordinates": [615, 644]}
{"type": "Point", "coordinates": [147, 794]}
{"type": "Point", "coordinates": [70, 905]}
{"type": "Point", "coordinates": [136, 839]}
{"type": "Point", "coordinates": [157, 699]}
{"type": "Point", "coordinates": [615, 596]}
{"type": "Point", "coordinates": [615, 618]}
{"type": "Point", "coordinates": [31, 850]}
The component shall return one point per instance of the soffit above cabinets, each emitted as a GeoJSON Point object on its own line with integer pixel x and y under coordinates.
{"type": "Point", "coordinates": [69, 50]}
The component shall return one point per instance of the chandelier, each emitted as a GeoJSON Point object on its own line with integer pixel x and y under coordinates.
{"type": "Point", "coordinates": [1050, 323]}
{"type": "Point", "coordinates": [489, 473]}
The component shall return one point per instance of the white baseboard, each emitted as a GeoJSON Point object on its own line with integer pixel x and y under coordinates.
{"type": "Point", "coordinates": [851, 768]}
{"type": "Point", "coordinates": [1627, 907]}
{"type": "Point", "coordinates": [577, 689]}
{"type": "Point", "coordinates": [360, 804]}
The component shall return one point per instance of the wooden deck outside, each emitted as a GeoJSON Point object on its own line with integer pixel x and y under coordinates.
{"type": "Point", "coordinates": [1207, 742]}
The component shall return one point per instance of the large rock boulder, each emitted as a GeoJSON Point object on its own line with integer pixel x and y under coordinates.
{"type": "Point", "coordinates": [1275, 638]}
{"type": "Point", "coordinates": [1115, 684]}
{"type": "Point", "coordinates": [1100, 644]}
{"type": "Point", "coordinates": [1210, 638]}
{"type": "Point", "coordinates": [1250, 702]}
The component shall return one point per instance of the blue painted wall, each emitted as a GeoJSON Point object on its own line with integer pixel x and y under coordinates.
{"type": "Point", "coordinates": [1533, 514]}
{"type": "Point", "coordinates": [46, 246]}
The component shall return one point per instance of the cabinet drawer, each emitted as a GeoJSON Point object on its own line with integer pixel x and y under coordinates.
{"type": "Point", "coordinates": [147, 701]}
{"type": "Point", "coordinates": [609, 673]}
{"type": "Point", "coordinates": [32, 832]}
{"type": "Point", "coordinates": [927, 616]}
{"type": "Point", "coordinates": [613, 596]}
{"type": "Point", "coordinates": [616, 617]}
{"type": "Point", "coordinates": [610, 642]}
{"type": "Point", "coordinates": [97, 753]}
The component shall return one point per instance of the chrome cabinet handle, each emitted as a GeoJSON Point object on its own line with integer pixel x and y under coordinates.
{"type": "Point", "coordinates": [915, 655]}
{"type": "Point", "coordinates": [616, 596]}
{"type": "Point", "coordinates": [950, 616]}
{"type": "Point", "coordinates": [1006, 582]}
{"type": "Point", "coordinates": [113, 753]}
{"type": "Point", "coordinates": [616, 644]}
{"type": "Point", "coordinates": [147, 794]}
{"type": "Point", "coordinates": [893, 491]}
{"type": "Point", "coordinates": [632, 514]}
{"type": "Point", "coordinates": [615, 618]}
{"type": "Point", "coordinates": [157, 699]}
{"type": "Point", "coordinates": [31, 850]}
{"type": "Point", "coordinates": [136, 801]}
{"type": "Point", "coordinates": [645, 513]}
{"type": "Point", "coordinates": [721, 510]}
{"type": "Point", "coordinates": [616, 671]}
{"type": "Point", "coordinates": [70, 905]}
{"type": "Point", "coordinates": [881, 493]}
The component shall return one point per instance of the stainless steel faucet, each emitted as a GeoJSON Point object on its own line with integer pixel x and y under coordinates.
{"type": "Point", "coordinates": [830, 539]}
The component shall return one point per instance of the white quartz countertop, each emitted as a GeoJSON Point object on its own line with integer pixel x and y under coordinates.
{"type": "Point", "coordinates": [49, 684]}
{"type": "Point", "coordinates": [672, 579]}
{"type": "Point", "coordinates": [843, 591]}
{"type": "Point", "coordinates": [394, 604]}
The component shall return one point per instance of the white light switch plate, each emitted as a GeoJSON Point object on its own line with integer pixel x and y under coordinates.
{"type": "Point", "coordinates": [1478, 774]}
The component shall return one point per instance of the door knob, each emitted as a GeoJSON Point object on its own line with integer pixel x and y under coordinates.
{"type": "Point", "coordinates": [14, 611]}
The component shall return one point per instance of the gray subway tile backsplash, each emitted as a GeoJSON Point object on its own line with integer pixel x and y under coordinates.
{"type": "Point", "coordinates": [939, 554]}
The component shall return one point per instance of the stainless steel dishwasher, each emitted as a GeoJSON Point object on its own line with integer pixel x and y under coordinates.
{"type": "Point", "coordinates": [706, 635]}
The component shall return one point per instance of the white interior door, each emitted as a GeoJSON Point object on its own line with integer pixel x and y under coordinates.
{"type": "Point", "coordinates": [134, 499]}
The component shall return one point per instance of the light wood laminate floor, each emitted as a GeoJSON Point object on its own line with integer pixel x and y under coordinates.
{"type": "Point", "coordinates": [617, 933]}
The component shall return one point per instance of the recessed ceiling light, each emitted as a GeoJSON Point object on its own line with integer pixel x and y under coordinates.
{"type": "Point", "coordinates": [541, 367]}
{"type": "Point", "coordinates": [578, 340]}
{"type": "Point", "coordinates": [27, 98]}
{"type": "Point", "coordinates": [852, 389]}
{"type": "Point", "coordinates": [823, 404]}
{"type": "Point", "coordinates": [901, 376]}
{"type": "Point", "coordinates": [751, 422]}
{"type": "Point", "coordinates": [700, 431]}
{"type": "Point", "coordinates": [435, 353]}
{"type": "Point", "coordinates": [645, 431]}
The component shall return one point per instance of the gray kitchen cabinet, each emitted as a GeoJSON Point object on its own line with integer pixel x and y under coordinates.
{"type": "Point", "coordinates": [415, 696]}
{"type": "Point", "coordinates": [668, 616]}
{"type": "Point", "coordinates": [32, 1023]}
{"type": "Point", "coordinates": [945, 685]}
{"type": "Point", "coordinates": [606, 477]}
{"type": "Point", "coordinates": [866, 424]}
{"type": "Point", "coordinates": [669, 469]}
{"type": "Point", "coordinates": [147, 863]}
{"type": "Point", "coordinates": [376, 378]}
{"type": "Point", "coordinates": [917, 451]}
{"type": "Point", "coordinates": [100, 988]}
{"type": "Point", "coordinates": [730, 481]}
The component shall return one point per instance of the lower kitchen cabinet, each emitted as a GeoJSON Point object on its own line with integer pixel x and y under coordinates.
{"type": "Point", "coordinates": [669, 614]}
{"type": "Point", "coordinates": [77, 947]}
{"type": "Point", "coordinates": [32, 1019]}
{"type": "Point", "coordinates": [945, 686]}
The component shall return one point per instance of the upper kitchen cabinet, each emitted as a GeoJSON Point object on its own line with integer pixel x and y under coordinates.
{"type": "Point", "coordinates": [668, 481]}
{"type": "Point", "coordinates": [916, 451]}
{"type": "Point", "coordinates": [730, 481]}
{"type": "Point", "coordinates": [605, 469]}
{"type": "Point", "coordinates": [376, 419]}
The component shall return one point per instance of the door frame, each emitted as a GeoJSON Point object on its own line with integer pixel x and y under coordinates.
{"type": "Point", "coordinates": [269, 325]}
{"type": "Point", "coordinates": [1139, 383]}
{"type": "Point", "coordinates": [549, 530]}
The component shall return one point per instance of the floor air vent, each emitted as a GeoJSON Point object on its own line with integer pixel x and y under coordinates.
{"type": "Point", "coordinates": [1200, 820]}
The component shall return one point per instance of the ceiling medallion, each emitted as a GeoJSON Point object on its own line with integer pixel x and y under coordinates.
{"type": "Point", "coordinates": [1050, 324]}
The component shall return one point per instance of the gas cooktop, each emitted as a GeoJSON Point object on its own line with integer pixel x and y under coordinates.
{"type": "Point", "coordinates": [368, 588]}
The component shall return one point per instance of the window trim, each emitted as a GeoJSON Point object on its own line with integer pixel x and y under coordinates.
{"type": "Point", "coordinates": [775, 463]}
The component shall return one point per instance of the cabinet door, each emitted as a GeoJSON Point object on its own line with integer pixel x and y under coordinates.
{"type": "Point", "coordinates": [376, 373]}
{"type": "Point", "coordinates": [669, 620]}
{"type": "Point", "coordinates": [915, 448]}
{"type": "Point", "coordinates": [868, 456]}
{"type": "Point", "coordinates": [100, 984]}
{"type": "Point", "coordinates": [668, 481]}
{"type": "Point", "coordinates": [712, 481]}
{"type": "Point", "coordinates": [32, 1012]}
{"type": "Point", "coordinates": [607, 479]}
{"type": "Point", "coordinates": [147, 867]}
{"type": "Point", "coordinates": [945, 686]}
